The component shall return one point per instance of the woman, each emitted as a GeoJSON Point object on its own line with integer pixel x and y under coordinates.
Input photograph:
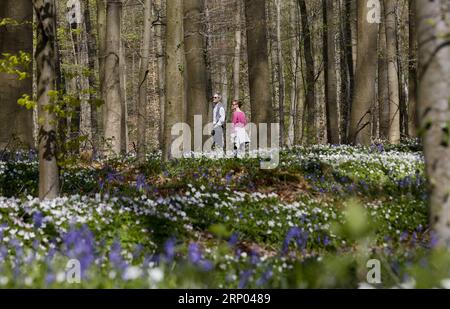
{"type": "Point", "coordinates": [239, 135]}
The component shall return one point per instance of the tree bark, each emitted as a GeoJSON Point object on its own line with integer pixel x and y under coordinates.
{"type": "Point", "coordinates": [113, 104]}
{"type": "Point", "coordinates": [347, 69]}
{"type": "Point", "coordinates": [383, 87]}
{"type": "Point", "coordinates": [310, 100]}
{"type": "Point", "coordinates": [123, 93]}
{"type": "Point", "coordinates": [393, 84]}
{"type": "Point", "coordinates": [101, 30]}
{"type": "Point", "coordinates": [91, 55]}
{"type": "Point", "coordinates": [281, 80]}
{"type": "Point", "coordinates": [46, 84]}
{"type": "Point", "coordinates": [412, 68]}
{"type": "Point", "coordinates": [15, 120]}
{"type": "Point", "coordinates": [158, 23]}
{"type": "Point", "coordinates": [296, 77]}
{"type": "Point", "coordinates": [237, 52]}
{"type": "Point", "coordinates": [434, 109]}
{"type": "Point", "coordinates": [197, 100]}
{"type": "Point", "coordinates": [365, 79]}
{"type": "Point", "coordinates": [143, 81]}
{"type": "Point", "coordinates": [329, 55]}
{"type": "Point", "coordinates": [173, 112]}
{"type": "Point", "coordinates": [258, 62]}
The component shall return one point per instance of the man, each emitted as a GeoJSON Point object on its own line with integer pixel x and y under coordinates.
{"type": "Point", "coordinates": [218, 123]}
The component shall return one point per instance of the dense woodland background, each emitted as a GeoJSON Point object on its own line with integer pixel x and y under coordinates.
{"type": "Point", "coordinates": [303, 53]}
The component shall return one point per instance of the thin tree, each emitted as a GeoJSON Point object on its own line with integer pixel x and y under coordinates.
{"type": "Point", "coordinates": [258, 62]}
{"type": "Point", "coordinates": [366, 69]}
{"type": "Point", "coordinates": [143, 78]}
{"type": "Point", "coordinates": [158, 24]}
{"type": "Point", "coordinates": [101, 34]}
{"type": "Point", "coordinates": [434, 109]}
{"type": "Point", "coordinates": [237, 51]}
{"type": "Point", "coordinates": [412, 70]}
{"type": "Point", "coordinates": [173, 112]}
{"type": "Point", "coordinates": [46, 84]}
{"type": "Point", "coordinates": [197, 101]}
{"type": "Point", "coordinates": [124, 141]}
{"type": "Point", "coordinates": [347, 68]}
{"type": "Point", "coordinates": [281, 79]}
{"type": "Point", "coordinates": [113, 99]}
{"type": "Point", "coordinates": [310, 97]}
{"type": "Point", "coordinates": [91, 55]}
{"type": "Point", "coordinates": [329, 55]}
{"type": "Point", "coordinates": [393, 84]}
{"type": "Point", "coordinates": [383, 87]}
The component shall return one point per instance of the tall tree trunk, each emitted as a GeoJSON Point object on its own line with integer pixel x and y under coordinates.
{"type": "Point", "coordinates": [46, 82]}
{"type": "Point", "coordinates": [237, 51]}
{"type": "Point", "coordinates": [92, 54]}
{"type": "Point", "coordinates": [174, 73]}
{"type": "Point", "coordinates": [434, 109]}
{"type": "Point", "coordinates": [365, 79]}
{"type": "Point", "coordinates": [197, 100]}
{"type": "Point", "coordinates": [113, 104]}
{"type": "Point", "coordinates": [347, 69]}
{"type": "Point", "coordinates": [143, 81]}
{"type": "Point", "coordinates": [295, 79]}
{"type": "Point", "coordinates": [123, 93]}
{"type": "Point", "coordinates": [300, 91]}
{"type": "Point", "coordinates": [310, 100]}
{"type": "Point", "coordinates": [101, 30]}
{"type": "Point", "coordinates": [258, 62]}
{"type": "Point", "coordinates": [281, 81]}
{"type": "Point", "coordinates": [85, 96]}
{"type": "Point", "coordinates": [383, 87]}
{"type": "Point", "coordinates": [412, 68]}
{"type": "Point", "coordinates": [329, 56]}
{"type": "Point", "coordinates": [209, 66]}
{"type": "Point", "coordinates": [158, 23]}
{"type": "Point", "coordinates": [16, 121]}
{"type": "Point", "coordinates": [393, 84]}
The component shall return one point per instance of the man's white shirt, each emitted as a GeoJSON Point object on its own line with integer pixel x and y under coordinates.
{"type": "Point", "coordinates": [218, 122]}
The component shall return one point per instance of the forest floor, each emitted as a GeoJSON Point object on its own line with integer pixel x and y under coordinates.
{"type": "Point", "coordinates": [314, 221]}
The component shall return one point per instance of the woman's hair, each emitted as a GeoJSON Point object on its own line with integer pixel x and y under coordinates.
{"type": "Point", "coordinates": [239, 103]}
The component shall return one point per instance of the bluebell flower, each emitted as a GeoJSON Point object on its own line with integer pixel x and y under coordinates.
{"type": "Point", "coordinates": [243, 279]}
{"type": "Point", "coordinates": [228, 177]}
{"type": "Point", "coordinates": [115, 257]}
{"type": "Point", "coordinates": [36, 244]}
{"type": "Point", "coordinates": [194, 253]}
{"type": "Point", "coordinates": [404, 236]}
{"type": "Point", "coordinates": [50, 278]}
{"type": "Point", "coordinates": [141, 183]}
{"type": "Point", "coordinates": [206, 265]}
{"type": "Point", "coordinates": [326, 240]}
{"type": "Point", "coordinates": [80, 245]}
{"type": "Point", "coordinates": [37, 219]}
{"type": "Point", "coordinates": [233, 239]}
{"type": "Point", "coordinates": [266, 276]}
{"type": "Point", "coordinates": [297, 234]}
{"type": "Point", "coordinates": [434, 239]}
{"type": "Point", "coordinates": [169, 249]}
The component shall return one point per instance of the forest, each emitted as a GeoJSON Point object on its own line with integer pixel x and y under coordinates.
{"type": "Point", "coordinates": [224, 144]}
